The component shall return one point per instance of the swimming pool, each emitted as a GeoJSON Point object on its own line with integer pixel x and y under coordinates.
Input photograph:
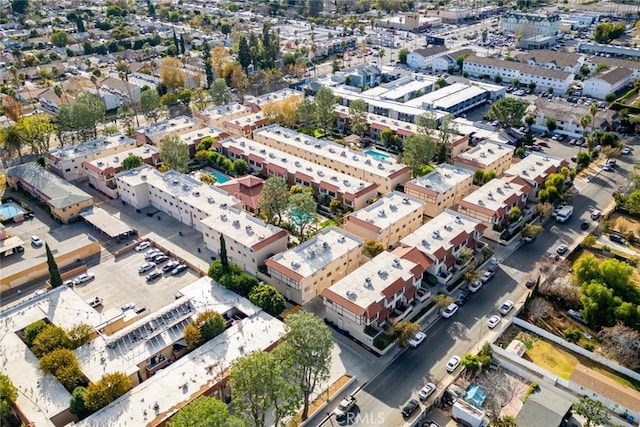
{"type": "Point", "coordinates": [377, 154]}
{"type": "Point", "coordinates": [9, 210]}
{"type": "Point", "coordinates": [220, 177]}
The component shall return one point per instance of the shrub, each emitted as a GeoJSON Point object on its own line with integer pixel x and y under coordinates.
{"type": "Point", "coordinates": [76, 403]}
{"type": "Point", "coordinates": [62, 364]}
{"type": "Point", "coordinates": [268, 298]}
{"type": "Point", "coordinates": [79, 335]}
{"type": "Point", "coordinates": [106, 390]}
{"type": "Point", "coordinates": [50, 338]}
{"type": "Point", "coordinates": [32, 331]}
{"type": "Point", "coordinates": [572, 335]}
{"type": "Point", "coordinates": [211, 324]}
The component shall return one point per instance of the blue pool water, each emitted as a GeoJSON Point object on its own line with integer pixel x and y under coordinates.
{"type": "Point", "coordinates": [9, 209]}
{"type": "Point", "coordinates": [377, 154]}
{"type": "Point", "coordinates": [220, 177]}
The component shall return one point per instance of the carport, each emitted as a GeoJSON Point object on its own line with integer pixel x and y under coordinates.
{"type": "Point", "coordinates": [109, 225]}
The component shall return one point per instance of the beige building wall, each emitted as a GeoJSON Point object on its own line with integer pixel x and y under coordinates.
{"type": "Point", "coordinates": [388, 236]}
{"type": "Point", "coordinates": [435, 203]}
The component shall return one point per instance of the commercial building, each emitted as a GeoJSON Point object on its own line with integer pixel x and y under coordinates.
{"type": "Point", "coordinates": [154, 132]}
{"type": "Point", "coordinates": [386, 172]}
{"type": "Point", "coordinates": [454, 99]}
{"type": "Point", "coordinates": [373, 297]}
{"type": "Point", "coordinates": [534, 169]}
{"type": "Point", "coordinates": [402, 89]}
{"type": "Point", "coordinates": [487, 155]}
{"type": "Point", "coordinates": [277, 96]}
{"type": "Point", "coordinates": [609, 49]}
{"type": "Point", "coordinates": [388, 220]}
{"type": "Point", "coordinates": [64, 200]}
{"type": "Point", "coordinates": [303, 272]}
{"type": "Point", "coordinates": [410, 21]}
{"type": "Point", "coordinates": [326, 183]}
{"type": "Point", "coordinates": [441, 188]}
{"type": "Point", "coordinates": [442, 240]}
{"type": "Point", "coordinates": [102, 172]}
{"type": "Point", "coordinates": [529, 24]}
{"type": "Point", "coordinates": [67, 161]}
{"type": "Point", "coordinates": [607, 82]}
{"type": "Point", "coordinates": [206, 209]}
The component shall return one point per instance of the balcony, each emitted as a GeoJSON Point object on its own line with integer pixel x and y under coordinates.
{"type": "Point", "coordinates": [399, 313]}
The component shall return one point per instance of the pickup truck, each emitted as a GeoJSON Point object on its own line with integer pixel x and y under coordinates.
{"type": "Point", "coordinates": [344, 407]}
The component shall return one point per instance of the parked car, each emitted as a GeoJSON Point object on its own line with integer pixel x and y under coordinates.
{"type": "Point", "coordinates": [151, 254]}
{"type": "Point", "coordinates": [576, 316]}
{"type": "Point", "coordinates": [475, 286]}
{"type": "Point", "coordinates": [153, 276]}
{"type": "Point", "coordinates": [616, 238]}
{"type": "Point", "coordinates": [453, 363]}
{"type": "Point", "coordinates": [83, 278]}
{"type": "Point", "coordinates": [179, 269]}
{"type": "Point", "coordinates": [487, 275]}
{"type": "Point", "coordinates": [493, 321]}
{"type": "Point", "coordinates": [506, 307]}
{"type": "Point", "coordinates": [562, 249]}
{"type": "Point", "coordinates": [146, 267]}
{"type": "Point", "coordinates": [529, 239]}
{"type": "Point", "coordinates": [159, 259]}
{"type": "Point", "coordinates": [36, 241]}
{"type": "Point", "coordinates": [625, 151]}
{"type": "Point", "coordinates": [346, 405]}
{"type": "Point", "coordinates": [417, 339]}
{"type": "Point", "coordinates": [584, 225]}
{"type": "Point", "coordinates": [426, 391]}
{"type": "Point", "coordinates": [68, 283]}
{"type": "Point", "coordinates": [410, 408]}
{"type": "Point", "coordinates": [170, 266]}
{"type": "Point", "coordinates": [463, 297]}
{"type": "Point", "coordinates": [596, 214]}
{"type": "Point", "coordinates": [142, 246]}
{"type": "Point", "coordinates": [40, 292]}
{"type": "Point", "coordinates": [450, 310]}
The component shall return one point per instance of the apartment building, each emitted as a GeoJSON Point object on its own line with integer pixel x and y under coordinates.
{"type": "Point", "coordinates": [327, 184]}
{"type": "Point", "coordinates": [67, 161]}
{"type": "Point", "coordinates": [492, 203]}
{"type": "Point", "coordinates": [388, 220]}
{"type": "Point", "coordinates": [569, 62]}
{"type": "Point", "coordinates": [244, 126]}
{"type": "Point", "coordinates": [64, 200]}
{"type": "Point", "coordinates": [529, 24]}
{"type": "Point", "coordinates": [374, 296]}
{"type": "Point", "coordinates": [567, 117]}
{"type": "Point", "coordinates": [303, 272]}
{"type": "Point", "coordinates": [216, 115]}
{"type": "Point", "coordinates": [206, 209]}
{"type": "Point", "coordinates": [153, 133]}
{"type": "Point", "coordinates": [544, 78]}
{"type": "Point", "coordinates": [487, 155]}
{"type": "Point", "coordinates": [102, 172]}
{"type": "Point", "coordinates": [450, 59]}
{"type": "Point", "coordinates": [194, 137]}
{"type": "Point", "coordinates": [609, 81]}
{"type": "Point", "coordinates": [534, 169]}
{"type": "Point", "coordinates": [402, 89]}
{"type": "Point", "coordinates": [277, 96]}
{"type": "Point", "coordinates": [441, 188]}
{"type": "Point", "coordinates": [386, 172]}
{"type": "Point", "coordinates": [442, 240]}
{"type": "Point", "coordinates": [454, 99]}
{"type": "Point", "coordinates": [423, 58]}
{"type": "Point", "coordinates": [376, 124]}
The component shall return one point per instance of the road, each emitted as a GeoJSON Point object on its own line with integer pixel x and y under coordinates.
{"type": "Point", "coordinates": [381, 399]}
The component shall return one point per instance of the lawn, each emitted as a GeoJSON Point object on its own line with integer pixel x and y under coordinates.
{"type": "Point", "coordinates": [551, 358]}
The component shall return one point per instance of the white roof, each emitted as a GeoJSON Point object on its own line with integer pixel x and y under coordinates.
{"type": "Point", "coordinates": [248, 120]}
{"type": "Point", "coordinates": [345, 183]}
{"type": "Point", "coordinates": [364, 286]}
{"type": "Point", "coordinates": [444, 177]}
{"type": "Point", "coordinates": [535, 165]}
{"type": "Point", "coordinates": [92, 147]}
{"type": "Point", "coordinates": [278, 95]}
{"type": "Point", "coordinates": [393, 124]}
{"type": "Point", "coordinates": [398, 89]}
{"type": "Point", "coordinates": [196, 135]}
{"type": "Point", "coordinates": [388, 210]}
{"type": "Point", "coordinates": [318, 252]}
{"type": "Point", "coordinates": [447, 96]}
{"type": "Point", "coordinates": [486, 153]}
{"type": "Point", "coordinates": [240, 226]}
{"type": "Point", "coordinates": [115, 160]}
{"type": "Point", "coordinates": [167, 126]}
{"type": "Point", "coordinates": [440, 231]}
{"type": "Point", "coordinates": [466, 127]}
{"type": "Point", "coordinates": [333, 151]}
{"type": "Point", "coordinates": [183, 380]}
{"type": "Point", "coordinates": [494, 193]}
{"type": "Point", "coordinates": [220, 111]}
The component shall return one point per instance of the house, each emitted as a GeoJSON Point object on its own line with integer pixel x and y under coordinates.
{"type": "Point", "coordinates": [388, 220]}
{"type": "Point", "coordinates": [374, 296]}
{"type": "Point", "coordinates": [441, 188]}
{"type": "Point", "coordinates": [64, 200]}
{"type": "Point", "coordinates": [127, 93]}
{"type": "Point", "coordinates": [529, 24]}
{"type": "Point", "coordinates": [492, 203]}
{"type": "Point", "coordinates": [567, 119]}
{"type": "Point", "coordinates": [247, 189]}
{"type": "Point", "coordinates": [486, 155]}
{"type": "Point", "coordinates": [569, 62]}
{"type": "Point", "coordinates": [601, 84]}
{"type": "Point", "coordinates": [303, 272]}
{"type": "Point", "coordinates": [534, 169]}
{"type": "Point", "coordinates": [448, 240]}
{"type": "Point", "coordinates": [450, 60]}
{"type": "Point", "coordinates": [50, 101]}
{"type": "Point", "coordinates": [424, 57]}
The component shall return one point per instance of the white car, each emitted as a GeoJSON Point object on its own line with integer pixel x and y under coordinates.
{"type": "Point", "coordinates": [128, 306]}
{"type": "Point", "coordinates": [146, 267]}
{"type": "Point", "coordinates": [152, 253]}
{"type": "Point", "coordinates": [486, 276]}
{"type": "Point", "coordinates": [36, 241]}
{"type": "Point", "coordinates": [426, 391]}
{"type": "Point", "coordinates": [453, 363]}
{"type": "Point", "coordinates": [625, 151]}
{"type": "Point", "coordinates": [417, 340]}
{"type": "Point", "coordinates": [142, 246]}
{"type": "Point", "coordinates": [40, 292]}
{"type": "Point", "coordinates": [83, 278]}
{"type": "Point", "coordinates": [506, 307]}
{"type": "Point", "coordinates": [596, 214]}
{"type": "Point", "coordinates": [493, 321]}
{"type": "Point", "coordinates": [475, 286]}
{"type": "Point", "coordinates": [450, 310]}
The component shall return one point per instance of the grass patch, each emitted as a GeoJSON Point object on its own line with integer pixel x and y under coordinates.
{"type": "Point", "coordinates": [382, 341]}
{"type": "Point", "coordinates": [328, 223]}
{"type": "Point", "coordinates": [551, 358]}
{"type": "Point", "coordinates": [320, 400]}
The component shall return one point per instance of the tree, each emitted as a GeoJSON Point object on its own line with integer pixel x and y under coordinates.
{"type": "Point", "coordinates": [532, 86]}
{"type": "Point", "coordinates": [268, 298]}
{"type": "Point", "coordinates": [589, 240]}
{"type": "Point", "coordinates": [174, 153]}
{"type": "Point", "coordinates": [59, 38]}
{"type": "Point", "coordinates": [210, 324]}
{"type": "Point", "coordinates": [50, 338]}
{"type": "Point", "coordinates": [402, 56]}
{"type": "Point", "coordinates": [324, 115]}
{"type": "Point", "coordinates": [592, 410]}
{"type": "Point", "coordinates": [192, 335]}
{"type": "Point", "coordinates": [79, 335]}
{"type": "Point", "coordinates": [207, 411]}
{"type": "Point", "coordinates": [545, 209]}
{"type": "Point", "coordinates": [107, 389]}
{"type": "Point", "coordinates": [598, 305]}
{"type": "Point", "coordinates": [131, 162]}
{"type": "Point", "coordinates": [19, 7]}
{"type": "Point", "coordinates": [149, 104]}
{"type": "Point", "coordinates": [306, 110]}
{"type": "Point", "coordinates": [405, 331]}
{"type": "Point", "coordinates": [244, 55]}
{"type": "Point", "coordinates": [76, 403]}
{"type": "Point", "coordinates": [240, 167]}
{"type": "Point", "coordinates": [303, 208]}
{"type": "Point", "coordinates": [529, 120]}
{"type": "Point", "coordinates": [32, 331]}
{"type": "Point", "coordinates": [417, 150]}
{"type": "Point", "coordinates": [427, 123]}
{"type": "Point", "coordinates": [531, 230]}
{"type": "Point", "coordinates": [442, 301]}
{"type": "Point", "coordinates": [35, 130]}
{"type": "Point", "coordinates": [55, 279]}
{"type": "Point", "coordinates": [633, 202]}
{"type": "Point", "coordinates": [307, 349]}
{"type": "Point", "coordinates": [62, 363]}
{"type": "Point", "coordinates": [358, 112]}
{"type": "Point", "coordinates": [11, 140]}
{"type": "Point", "coordinates": [171, 74]}
{"type": "Point", "coordinates": [275, 199]}
{"type": "Point", "coordinates": [621, 343]}
{"type": "Point", "coordinates": [373, 248]}
{"type": "Point", "coordinates": [239, 81]}
{"type": "Point", "coordinates": [219, 91]}
{"type": "Point", "coordinates": [504, 421]}
{"type": "Point", "coordinates": [515, 213]}
{"type": "Point", "coordinates": [497, 78]}
{"type": "Point", "coordinates": [8, 396]}
{"type": "Point", "coordinates": [551, 124]}
{"type": "Point", "coordinates": [508, 111]}
{"type": "Point", "coordinates": [223, 254]}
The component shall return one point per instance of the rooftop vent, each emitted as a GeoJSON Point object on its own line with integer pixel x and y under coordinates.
{"type": "Point", "coordinates": [325, 246]}
{"type": "Point", "coordinates": [481, 202]}
{"type": "Point", "coordinates": [196, 194]}
{"type": "Point", "coordinates": [393, 207]}
{"type": "Point", "coordinates": [223, 217]}
{"type": "Point", "coordinates": [249, 230]}
{"type": "Point", "coordinates": [425, 242]}
{"type": "Point", "coordinates": [223, 205]}
{"type": "Point", "coordinates": [352, 295]}
{"type": "Point", "coordinates": [236, 223]}
{"type": "Point", "coordinates": [383, 273]}
{"type": "Point", "coordinates": [435, 234]}
{"type": "Point", "coordinates": [341, 239]}
{"type": "Point", "coordinates": [381, 213]}
{"type": "Point", "coordinates": [396, 262]}
{"type": "Point", "coordinates": [405, 200]}
{"type": "Point", "coordinates": [312, 254]}
{"type": "Point", "coordinates": [175, 182]}
{"type": "Point", "coordinates": [210, 199]}
{"type": "Point", "coordinates": [458, 219]}
{"type": "Point", "coordinates": [295, 265]}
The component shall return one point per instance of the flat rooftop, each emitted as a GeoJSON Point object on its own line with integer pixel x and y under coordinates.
{"type": "Point", "coordinates": [447, 230]}
{"type": "Point", "coordinates": [174, 125]}
{"type": "Point", "coordinates": [248, 120]}
{"type": "Point", "coordinates": [388, 210]}
{"type": "Point", "coordinates": [145, 152]}
{"type": "Point", "coordinates": [331, 150]}
{"type": "Point", "coordinates": [92, 147]}
{"type": "Point", "coordinates": [466, 127]}
{"type": "Point", "coordinates": [292, 164]}
{"type": "Point", "coordinates": [536, 167]}
{"type": "Point", "coordinates": [221, 111]}
{"type": "Point", "coordinates": [240, 226]}
{"type": "Point", "coordinates": [276, 96]}
{"type": "Point", "coordinates": [443, 178]}
{"type": "Point", "coordinates": [318, 252]}
{"type": "Point", "coordinates": [192, 373]}
{"type": "Point", "coordinates": [196, 135]}
{"type": "Point", "coordinates": [399, 89]}
{"type": "Point", "coordinates": [496, 194]}
{"type": "Point", "coordinates": [381, 122]}
{"type": "Point", "coordinates": [448, 96]}
{"type": "Point", "coordinates": [366, 285]}
{"type": "Point", "coordinates": [486, 153]}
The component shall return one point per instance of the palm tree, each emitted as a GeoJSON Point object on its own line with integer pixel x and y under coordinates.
{"type": "Point", "coordinates": [12, 140]}
{"type": "Point", "coordinates": [585, 121]}
{"type": "Point", "coordinates": [593, 110]}
{"type": "Point", "coordinates": [381, 53]}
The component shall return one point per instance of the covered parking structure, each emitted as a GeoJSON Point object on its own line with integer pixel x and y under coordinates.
{"type": "Point", "coordinates": [109, 225]}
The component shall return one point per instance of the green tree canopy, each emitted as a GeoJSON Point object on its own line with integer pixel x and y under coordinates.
{"type": "Point", "coordinates": [373, 248]}
{"type": "Point", "coordinates": [174, 153]}
{"type": "Point", "coordinates": [417, 150]}
{"type": "Point", "coordinates": [59, 38]}
{"type": "Point", "coordinates": [405, 331]}
{"type": "Point", "coordinates": [107, 389]}
{"type": "Point", "coordinates": [592, 410]}
{"type": "Point", "coordinates": [205, 411]}
{"type": "Point", "coordinates": [275, 199]}
{"type": "Point", "coordinates": [508, 111]}
{"type": "Point", "coordinates": [55, 279]}
{"type": "Point", "coordinates": [131, 162]}
{"type": "Point", "coordinates": [8, 395]}
{"type": "Point", "coordinates": [150, 104]}
{"type": "Point", "coordinates": [50, 338]}
{"type": "Point", "coordinates": [358, 111]}
{"type": "Point", "coordinates": [268, 298]}
{"type": "Point", "coordinates": [210, 323]}
{"type": "Point", "coordinates": [220, 92]}
{"type": "Point", "coordinates": [302, 209]}
{"type": "Point", "coordinates": [76, 403]}
{"type": "Point", "coordinates": [324, 115]}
